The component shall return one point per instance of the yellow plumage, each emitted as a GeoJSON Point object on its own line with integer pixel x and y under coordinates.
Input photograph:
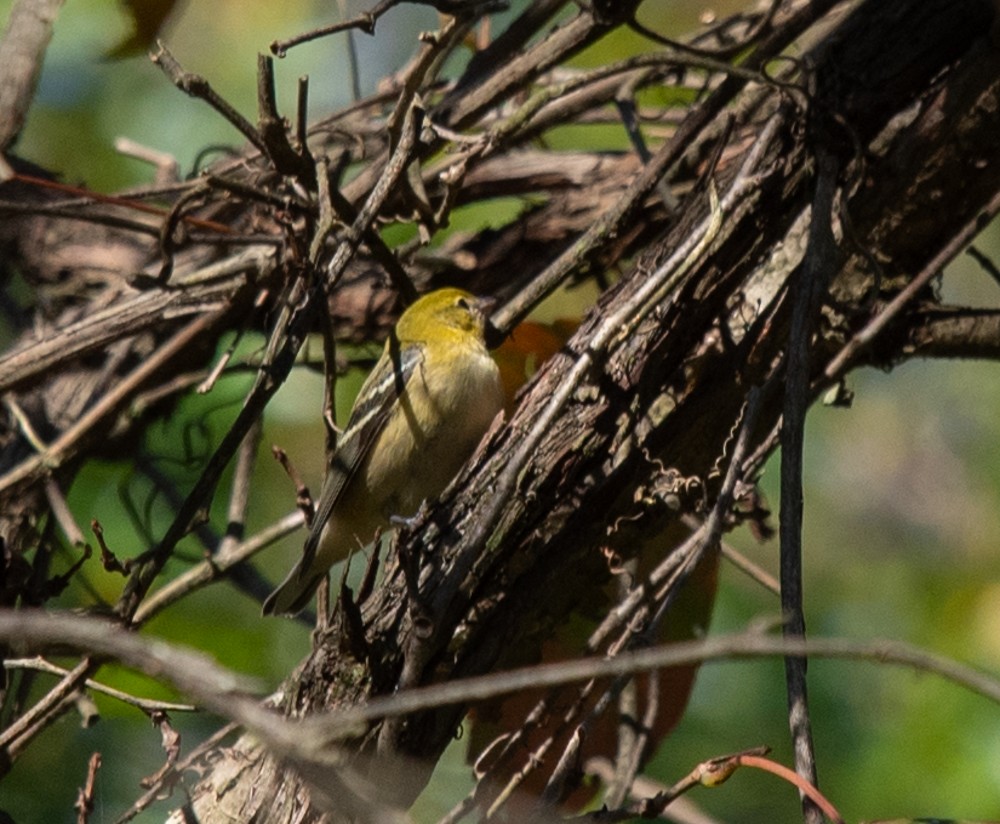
{"type": "Point", "coordinates": [418, 417]}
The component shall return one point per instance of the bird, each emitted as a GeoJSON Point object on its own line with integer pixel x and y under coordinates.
{"type": "Point", "coordinates": [417, 419]}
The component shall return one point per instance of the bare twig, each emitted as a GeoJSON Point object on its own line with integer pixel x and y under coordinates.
{"type": "Point", "coordinates": [754, 30]}
{"type": "Point", "coordinates": [67, 213]}
{"type": "Point", "coordinates": [726, 647]}
{"type": "Point", "coordinates": [194, 674]}
{"type": "Point", "coordinates": [820, 263]}
{"type": "Point", "coordinates": [197, 86]}
{"type": "Point", "coordinates": [314, 755]}
{"type": "Point", "coordinates": [145, 704]}
{"type": "Point", "coordinates": [239, 496]}
{"type": "Point", "coordinates": [338, 207]}
{"type": "Point", "coordinates": [170, 740]}
{"type": "Point", "coordinates": [749, 568]}
{"type": "Point", "coordinates": [207, 571]}
{"type": "Point", "coordinates": [679, 811]}
{"type": "Point", "coordinates": [85, 797]}
{"type": "Point", "coordinates": [223, 692]}
{"type": "Point", "coordinates": [44, 711]}
{"type": "Point", "coordinates": [707, 542]}
{"type": "Point", "coordinates": [987, 264]}
{"type": "Point", "coordinates": [290, 331]}
{"type": "Point", "coordinates": [204, 290]}
{"type": "Point", "coordinates": [502, 132]}
{"type": "Point", "coordinates": [838, 365]}
{"type": "Point", "coordinates": [60, 510]}
{"type": "Point", "coordinates": [71, 440]}
{"type": "Point", "coordinates": [166, 165]}
{"type": "Point", "coordinates": [364, 22]}
{"type": "Point", "coordinates": [76, 208]}
{"type": "Point", "coordinates": [712, 773]}
{"type": "Point", "coordinates": [156, 789]}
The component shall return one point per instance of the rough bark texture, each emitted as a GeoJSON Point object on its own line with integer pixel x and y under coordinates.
{"type": "Point", "coordinates": [904, 93]}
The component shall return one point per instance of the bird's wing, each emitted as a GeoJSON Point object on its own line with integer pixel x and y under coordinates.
{"type": "Point", "coordinates": [380, 392]}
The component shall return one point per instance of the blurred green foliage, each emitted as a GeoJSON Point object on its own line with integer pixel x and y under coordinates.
{"type": "Point", "coordinates": [902, 490]}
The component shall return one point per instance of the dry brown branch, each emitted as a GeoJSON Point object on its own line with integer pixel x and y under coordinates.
{"type": "Point", "coordinates": [29, 29]}
{"type": "Point", "coordinates": [227, 693]}
{"type": "Point", "coordinates": [144, 704]}
{"type": "Point", "coordinates": [85, 799]}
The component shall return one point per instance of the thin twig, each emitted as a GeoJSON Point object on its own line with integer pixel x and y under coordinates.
{"type": "Point", "coordinates": [197, 86]}
{"type": "Point", "coordinates": [750, 569]}
{"type": "Point", "coordinates": [708, 541]}
{"type": "Point", "coordinates": [301, 301]}
{"type": "Point", "coordinates": [239, 497]}
{"type": "Point", "coordinates": [155, 792]}
{"type": "Point", "coordinates": [60, 510]}
{"type": "Point", "coordinates": [504, 131]}
{"type": "Point", "coordinates": [664, 580]}
{"type": "Point", "coordinates": [145, 704]}
{"type": "Point", "coordinates": [388, 177]}
{"type": "Point", "coordinates": [75, 208]}
{"type": "Point", "coordinates": [231, 549]}
{"type": "Point", "coordinates": [625, 611]}
{"type": "Point", "coordinates": [753, 33]}
{"type": "Point", "coordinates": [353, 65]}
{"type": "Point", "coordinates": [224, 692]}
{"type": "Point", "coordinates": [8, 207]}
{"type": "Point", "coordinates": [364, 22]}
{"type": "Point", "coordinates": [820, 263]}
{"type": "Point", "coordinates": [85, 796]}
{"type": "Point", "coordinates": [71, 440]}
{"type": "Point", "coordinates": [166, 165]}
{"type": "Point", "coordinates": [273, 129]}
{"type": "Point", "coordinates": [207, 571]}
{"type": "Point", "coordinates": [24, 424]}
{"type": "Point", "coordinates": [333, 205]}
{"type": "Point", "coordinates": [839, 364]}
{"type": "Point", "coordinates": [681, 654]}
{"type": "Point", "coordinates": [679, 811]}
{"type": "Point", "coordinates": [302, 114]}
{"type": "Point", "coordinates": [278, 361]}
{"type": "Point", "coordinates": [712, 773]}
{"type": "Point", "coordinates": [193, 673]}
{"type": "Point", "coordinates": [33, 720]}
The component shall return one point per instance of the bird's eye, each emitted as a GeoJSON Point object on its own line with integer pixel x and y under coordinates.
{"type": "Point", "coordinates": [462, 303]}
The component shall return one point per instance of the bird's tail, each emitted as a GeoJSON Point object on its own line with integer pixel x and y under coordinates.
{"type": "Point", "coordinates": [293, 594]}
